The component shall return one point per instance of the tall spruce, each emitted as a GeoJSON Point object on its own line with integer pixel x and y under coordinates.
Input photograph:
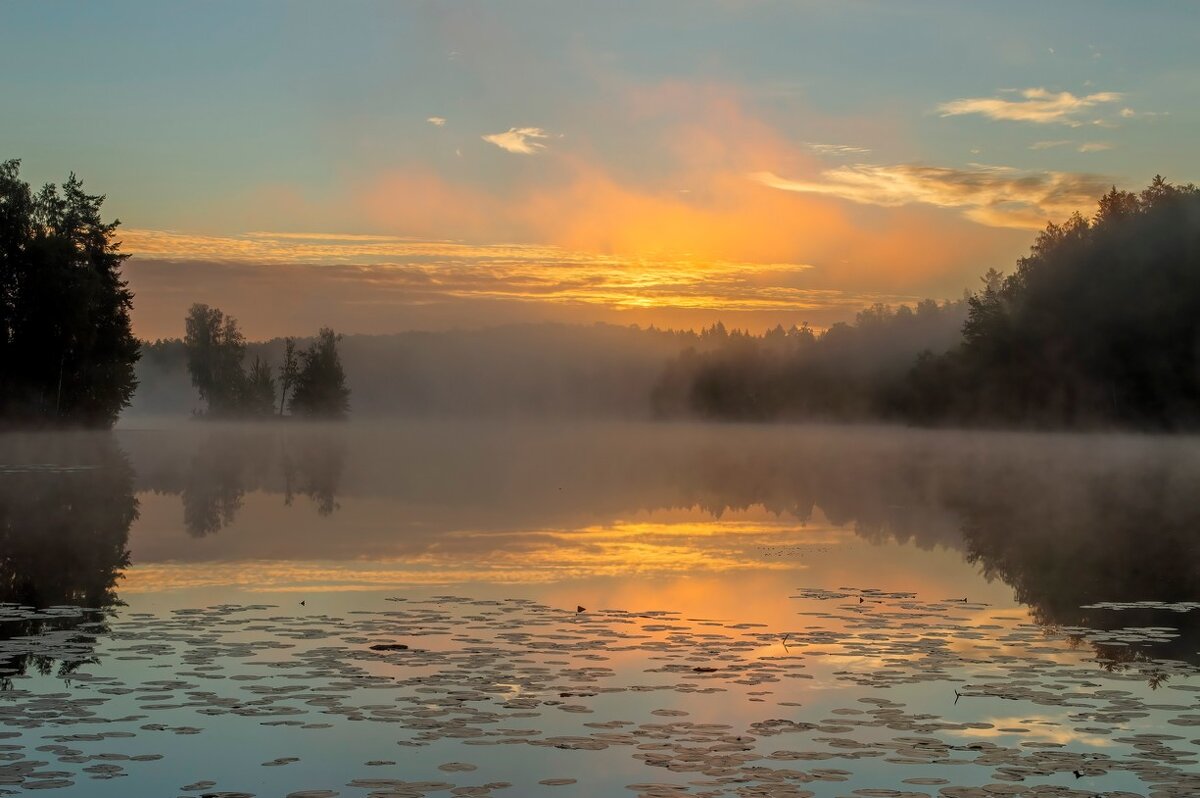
{"type": "Point", "coordinates": [66, 345]}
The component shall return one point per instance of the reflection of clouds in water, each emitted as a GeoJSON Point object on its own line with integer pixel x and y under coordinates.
{"type": "Point", "coordinates": [1035, 727]}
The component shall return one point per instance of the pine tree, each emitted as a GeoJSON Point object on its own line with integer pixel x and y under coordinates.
{"type": "Point", "coordinates": [66, 342]}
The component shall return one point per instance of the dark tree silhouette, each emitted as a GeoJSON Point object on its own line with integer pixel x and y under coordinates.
{"type": "Point", "coordinates": [66, 347]}
{"type": "Point", "coordinates": [259, 390]}
{"type": "Point", "coordinates": [288, 371]}
{"type": "Point", "coordinates": [1099, 324]}
{"type": "Point", "coordinates": [215, 350]}
{"type": "Point", "coordinates": [321, 390]}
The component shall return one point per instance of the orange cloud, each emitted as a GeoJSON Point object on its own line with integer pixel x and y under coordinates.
{"type": "Point", "coordinates": [993, 195]}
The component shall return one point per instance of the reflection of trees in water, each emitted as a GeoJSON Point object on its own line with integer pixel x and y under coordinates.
{"type": "Point", "coordinates": [312, 467]}
{"type": "Point", "coordinates": [227, 464]}
{"type": "Point", "coordinates": [217, 477]}
{"type": "Point", "coordinates": [1063, 522]}
{"type": "Point", "coordinates": [66, 505]}
{"type": "Point", "coordinates": [1063, 540]}
{"type": "Point", "coordinates": [885, 492]}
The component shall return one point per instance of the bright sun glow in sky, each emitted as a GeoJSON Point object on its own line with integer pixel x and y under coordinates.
{"type": "Point", "coordinates": [388, 166]}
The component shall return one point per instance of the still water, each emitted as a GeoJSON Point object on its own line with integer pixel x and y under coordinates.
{"type": "Point", "coordinates": [598, 610]}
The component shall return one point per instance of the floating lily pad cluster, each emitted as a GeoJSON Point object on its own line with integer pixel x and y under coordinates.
{"type": "Point", "coordinates": [871, 693]}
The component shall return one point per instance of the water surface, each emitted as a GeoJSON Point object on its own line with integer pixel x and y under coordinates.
{"type": "Point", "coordinates": [599, 610]}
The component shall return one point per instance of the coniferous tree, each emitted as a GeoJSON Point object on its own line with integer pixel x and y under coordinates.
{"type": "Point", "coordinates": [66, 343]}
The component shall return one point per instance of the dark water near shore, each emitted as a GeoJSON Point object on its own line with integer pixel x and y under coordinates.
{"type": "Point", "coordinates": [765, 611]}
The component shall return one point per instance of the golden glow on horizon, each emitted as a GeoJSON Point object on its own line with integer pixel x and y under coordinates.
{"type": "Point", "coordinates": [520, 272]}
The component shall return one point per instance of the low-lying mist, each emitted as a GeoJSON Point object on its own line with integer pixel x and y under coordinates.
{"type": "Point", "coordinates": [536, 370]}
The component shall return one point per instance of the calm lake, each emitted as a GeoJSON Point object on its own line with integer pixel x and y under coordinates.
{"type": "Point", "coordinates": [598, 610]}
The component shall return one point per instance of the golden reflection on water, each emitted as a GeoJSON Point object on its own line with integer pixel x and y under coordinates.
{"type": "Point", "coordinates": [743, 565]}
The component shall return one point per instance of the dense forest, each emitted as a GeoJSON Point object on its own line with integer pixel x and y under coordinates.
{"type": "Point", "coordinates": [1098, 326]}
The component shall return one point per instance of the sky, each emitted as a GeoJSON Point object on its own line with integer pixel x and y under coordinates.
{"type": "Point", "coordinates": [381, 167]}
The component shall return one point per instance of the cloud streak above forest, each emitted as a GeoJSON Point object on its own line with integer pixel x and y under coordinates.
{"type": "Point", "coordinates": [378, 285]}
{"type": "Point", "coordinates": [996, 196]}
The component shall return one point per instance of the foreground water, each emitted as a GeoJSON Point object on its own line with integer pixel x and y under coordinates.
{"type": "Point", "coordinates": [609, 610]}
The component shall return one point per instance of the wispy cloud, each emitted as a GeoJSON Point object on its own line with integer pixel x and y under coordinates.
{"type": "Point", "coordinates": [521, 140]}
{"type": "Point", "coordinates": [1086, 146]}
{"type": "Point", "coordinates": [996, 196]}
{"type": "Point", "coordinates": [1035, 105]}
{"type": "Point", "coordinates": [836, 149]}
{"type": "Point", "coordinates": [1129, 113]}
{"type": "Point", "coordinates": [439, 121]}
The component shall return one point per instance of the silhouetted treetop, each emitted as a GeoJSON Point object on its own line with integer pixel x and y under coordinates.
{"type": "Point", "coordinates": [1099, 323]}
{"type": "Point", "coordinates": [320, 384]}
{"type": "Point", "coordinates": [66, 344]}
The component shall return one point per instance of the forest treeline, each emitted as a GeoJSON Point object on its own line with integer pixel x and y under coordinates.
{"type": "Point", "coordinates": [848, 372]}
{"type": "Point", "coordinates": [1098, 326]}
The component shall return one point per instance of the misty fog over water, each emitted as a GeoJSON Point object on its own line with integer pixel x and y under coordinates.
{"type": "Point", "coordinates": [546, 587]}
{"type": "Point", "coordinates": [1060, 520]}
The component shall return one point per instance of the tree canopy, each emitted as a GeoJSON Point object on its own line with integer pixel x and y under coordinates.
{"type": "Point", "coordinates": [320, 384]}
{"type": "Point", "coordinates": [66, 344]}
{"type": "Point", "coordinates": [215, 350]}
{"type": "Point", "coordinates": [1099, 324]}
